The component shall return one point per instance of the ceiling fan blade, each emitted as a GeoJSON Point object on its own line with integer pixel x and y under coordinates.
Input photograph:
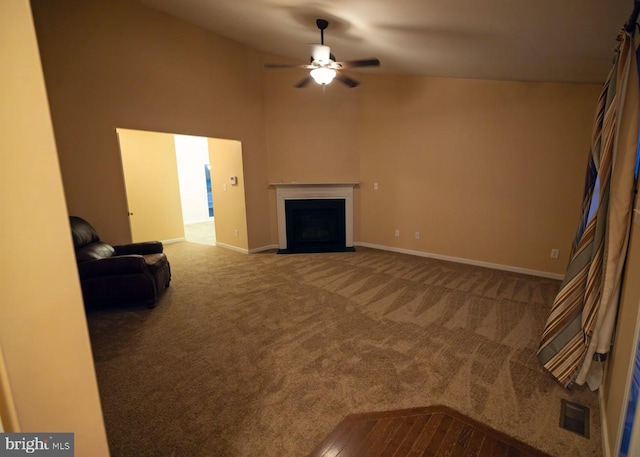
{"type": "Point", "coordinates": [304, 82]}
{"type": "Point", "coordinates": [360, 63]}
{"type": "Point", "coordinates": [277, 65]}
{"type": "Point", "coordinates": [346, 80]}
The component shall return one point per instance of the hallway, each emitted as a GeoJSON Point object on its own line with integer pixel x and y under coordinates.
{"type": "Point", "coordinates": [201, 232]}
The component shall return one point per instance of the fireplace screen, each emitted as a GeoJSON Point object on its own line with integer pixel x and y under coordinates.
{"type": "Point", "coordinates": [315, 225]}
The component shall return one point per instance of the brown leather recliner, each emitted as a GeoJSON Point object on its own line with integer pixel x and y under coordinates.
{"type": "Point", "coordinates": [116, 275]}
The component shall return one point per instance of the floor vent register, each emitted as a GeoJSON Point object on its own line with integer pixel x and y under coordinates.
{"type": "Point", "coordinates": [575, 418]}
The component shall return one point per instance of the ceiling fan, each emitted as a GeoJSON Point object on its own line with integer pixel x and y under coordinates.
{"type": "Point", "coordinates": [324, 67]}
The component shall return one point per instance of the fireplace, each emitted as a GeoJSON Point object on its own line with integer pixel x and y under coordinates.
{"type": "Point", "coordinates": [315, 217]}
{"type": "Point", "coordinates": [316, 225]}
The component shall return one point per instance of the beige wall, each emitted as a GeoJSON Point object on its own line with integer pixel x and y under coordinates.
{"type": "Point", "coordinates": [116, 63]}
{"type": "Point", "coordinates": [152, 187]}
{"type": "Point", "coordinates": [485, 170]}
{"type": "Point", "coordinates": [225, 157]}
{"type": "Point", "coordinates": [616, 384]}
{"type": "Point", "coordinates": [43, 334]}
{"type": "Point", "coordinates": [313, 135]}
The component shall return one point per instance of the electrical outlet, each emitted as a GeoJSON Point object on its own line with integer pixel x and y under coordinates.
{"type": "Point", "coordinates": [417, 235]}
{"type": "Point", "coordinates": [555, 253]}
{"type": "Point", "coordinates": [375, 186]}
{"type": "Point", "coordinates": [397, 233]}
{"type": "Point", "coordinates": [236, 232]}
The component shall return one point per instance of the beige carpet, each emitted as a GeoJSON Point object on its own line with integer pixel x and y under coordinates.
{"type": "Point", "coordinates": [264, 354]}
{"type": "Point", "coordinates": [201, 232]}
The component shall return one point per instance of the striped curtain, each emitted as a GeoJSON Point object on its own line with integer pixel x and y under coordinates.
{"type": "Point", "coordinates": [578, 332]}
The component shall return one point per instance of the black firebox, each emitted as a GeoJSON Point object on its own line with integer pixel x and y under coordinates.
{"type": "Point", "coordinates": [315, 225]}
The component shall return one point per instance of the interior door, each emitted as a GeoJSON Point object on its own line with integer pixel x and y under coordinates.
{"type": "Point", "coordinates": [151, 180]}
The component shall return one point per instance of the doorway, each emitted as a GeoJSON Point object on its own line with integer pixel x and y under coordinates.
{"type": "Point", "coordinates": [196, 197]}
{"type": "Point", "coordinates": [152, 167]}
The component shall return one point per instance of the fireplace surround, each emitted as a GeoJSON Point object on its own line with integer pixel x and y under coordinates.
{"type": "Point", "coordinates": [315, 217]}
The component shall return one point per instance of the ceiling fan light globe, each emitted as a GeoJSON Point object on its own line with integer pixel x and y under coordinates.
{"type": "Point", "coordinates": [323, 75]}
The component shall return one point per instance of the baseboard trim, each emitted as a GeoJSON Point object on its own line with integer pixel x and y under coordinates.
{"type": "Point", "coordinates": [232, 248]}
{"type": "Point", "coordinates": [264, 248]}
{"type": "Point", "coordinates": [604, 426]}
{"type": "Point", "coordinates": [478, 263]}
{"type": "Point", "coordinates": [174, 240]}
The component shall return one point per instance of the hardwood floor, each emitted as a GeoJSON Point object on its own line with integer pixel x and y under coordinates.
{"type": "Point", "coordinates": [435, 431]}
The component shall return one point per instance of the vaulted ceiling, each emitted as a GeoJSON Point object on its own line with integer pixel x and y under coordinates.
{"type": "Point", "coordinates": [521, 40]}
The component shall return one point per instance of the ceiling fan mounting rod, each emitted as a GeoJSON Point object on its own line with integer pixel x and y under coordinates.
{"type": "Point", "coordinates": [322, 24]}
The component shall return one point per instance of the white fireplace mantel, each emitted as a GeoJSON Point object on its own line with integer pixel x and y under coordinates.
{"type": "Point", "coordinates": [316, 190]}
